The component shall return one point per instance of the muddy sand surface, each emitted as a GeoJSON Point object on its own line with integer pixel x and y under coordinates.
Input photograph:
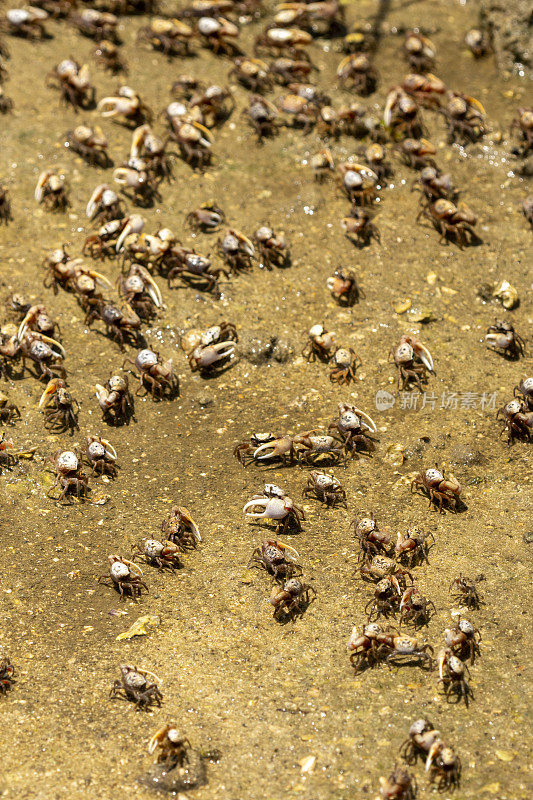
{"type": "Point", "coordinates": [268, 695]}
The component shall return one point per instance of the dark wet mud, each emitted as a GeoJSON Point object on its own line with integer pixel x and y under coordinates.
{"type": "Point", "coordinates": [266, 695]}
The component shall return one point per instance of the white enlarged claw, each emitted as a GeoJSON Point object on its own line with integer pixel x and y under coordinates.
{"type": "Point", "coordinates": [277, 447]}
{"type": "Point", "coordinates": [366, 421]}
{"type": "Point", "coordinates": [274, 507]}
{"type": "Point", "coordinates": [134, 224]}
{"type": "Point", "coordinates": [424, 355]}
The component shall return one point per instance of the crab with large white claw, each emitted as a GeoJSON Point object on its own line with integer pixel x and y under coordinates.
{"type": "Point", "coordinates": [51, 184]}
{"type": "Point", "coordinates": [138, 281]}
{"type": "Point", "coordinates": [283, 510]}
{"type": "Point", "coordinates": [102, 197]}
{"type": "Point", "coordinates": [206, 357]}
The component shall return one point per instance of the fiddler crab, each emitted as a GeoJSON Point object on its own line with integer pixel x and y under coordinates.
{"type": "Point", "coordinates": [207, 218]}
{"type": "Point", "coordinates": [35, 318]}
{"type": "Point", "coordinates": [51, 190]}
{"type": "Point", "coordinates": [138, 184]}
{"type": "Point", "coordinates": [417, 153]}
{"type": "Point", "coordinates": [181, 529]}
{"type": "Point", "coordinates": [69, 475]}
{"type": "Point", "coordinates": [115, 400]}
{"type": "Point", "coordinates": [252, 73]}
{"type": "Point", "coordinates": [453, 674]}
{"type": "Point", "coordinates": [208, 351]}
{"type": "Point", "coordinates": [272, 248]}
{"type": "Point", "coordinates": [277, 558]}
{"type": "Point", "coordinates": [9, 412]}
{"type": "Point", "coordinates": [344, 363]}
{"type": "Point", "coordinates": [101, 456]}
{"type": "Point", "coordinates": [114, 236]}
{"type": "Point", "coordinates": [126, 107]}
{"type": "Point", "coordinates": [104, 205]}
{"type": "Point", "coordinates": [523, 123]}
{"type": "Point", "coordinates": [262, 116]}
{"type": "Point", "coordinates": [275, 41]}
{"type": "Point", "coordinates": [291, 599]}
{"type": "Point", "coordinates": [46, 353]}
{"type": "Point", "coordinates": [155, 376]}
{"type": "Point", "coordinates": [139, 686]}
{"type": "Point", "coordinates": [415, 609]}
{"type": "Point", "coordinates": [125, 577]}
{"type": "Point", "coordinates": [5, 205]}
{"type": "Point", "coordinates": [425, 89]}
{"type": "Point", "coordinates": [503, 339]}
{"type": "Point", "coordinates": [122, 325]}
{"type": "Point", "coordinates": [465, 117]}
{"type": "Point", "coordinates": [68, 273]}
{"type": "Point", "coordinates": [356, 71]}
{"type": "Point", "coordinates": [27, 23]}
{"type": "Point", "coordinates": [463, 590]}
{"type": "Point", "coordinates": [149, 149]}
{"type": "Point", "coordinates": [372, 540]}
{"type": "Point", "coordinates": [140, 292]}
{"type": "Point", "coordinates": [97, 24]}
{"type": "Point", "coordinates": [72, 80]}
{"type": "Point", "coordinates": [452, 221]}
{"type": "Point", "coordinates": [525, 388]}
{"type": "Point", "coordinates": [359, 228]}
{"type": "Point", "coordinates": [320, 344]}
{"type": "Point", "coordinates": [442, 764]}
{"type": "Point", "coordinates": [419, 52]}
{"type": "Point", "coordinates": [8, 456]}
{"type": "Point", "coordinates": [343, 286]}
{"type": "Point", "coordinates": [411, 547]}
{"type": "Point", "coordinates": [107, 55]}
{"type": "Point", "coordinates": [441, 491]}
{"type": "Point", "coordinates": [158, 554]}
{"type": "Point", "coordinates": [433, 185]}
{"type": "Point", "coordinates": [400, 785]}
{"type": "Point", "coordinates": [7, 673]}
{"type": "Point", "coordinates": [89, 143]}
{"type": "Point", "coordinates": [59, 407]}
{"type": "Point", "coordinates": [518, 421]}
{"type": "Point", "coordinates": [401, 115]}
{"type": "Point", "coordinates": [414, 361]}
{"type": "Point", "coordinates": [351, 426]}
{"type": "Point", "coordinates": [326, 489]}
{"type": "Point", "coordinates": [463, 640]}
{"type": "Point", "coordinates": [171, 36]}
{"type": "Point", "coordinates": [276, 506]}
{"type": "Point", "coordinates": [237, 250]}
{"type": "Point", "coordinates": [358, 183]}
{"type": "Point", "coordinates": [379, 566]}
{"type": "Point", "coordinates": [218, 34]}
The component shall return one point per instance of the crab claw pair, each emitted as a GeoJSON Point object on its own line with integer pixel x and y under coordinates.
{"type": "Point", "coordinates": [274, 507]}
{"type": "Point", "coordinates": [278, 447]}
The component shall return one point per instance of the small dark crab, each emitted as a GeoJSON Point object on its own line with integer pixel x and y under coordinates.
{"type": "Point", "coordinates": [443, 766]}
{"type": "Point", "coordinates": [400, 785]}
{"type": "Point", "coordinates": [9, 412]}
{"type": "Point", "coordinates": [125, 577]}
{"type": "Point", "coordinates": [139, 686]}
{"type": "Point", "coordinates": [7, 673]}
{"type": "Point", "coordinates": [359, 228]}
{"type": "Point", "coordinates": [441, 491]}
{"type": "Point", "coordinates": [291, 599]}
{"type": "Point", "coordinates": [122, 325]}
{"type": "Point", "coordinates": [281, 509]}
{"type": "Point", "coordinates": [101, 456]}
{"type": "Point", "coordinates": [503, 339]}
{"type": "Point", "coordinates": [59, 407]}
{"type": "Point", "coordinates": [452, 221]}
{"type": "Point", "coordinates": [181, 529]}
{"type": "Point", "coordinates": [465, 117]}
{"type": "Point", "coordinates": [463, 590]}
{"type": "Point", "coordinates": [277, 559]}
{"type": "Point", "coordinates": [326, 489]}
{"type": "Point", "coordinates": [525, 388]}
{"type": "Point", "coordinates": [386, 599]}
{"type": "Point", "coordinates": [89, 143]}
{"type": "Point", "coordinates": [5, 205]}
